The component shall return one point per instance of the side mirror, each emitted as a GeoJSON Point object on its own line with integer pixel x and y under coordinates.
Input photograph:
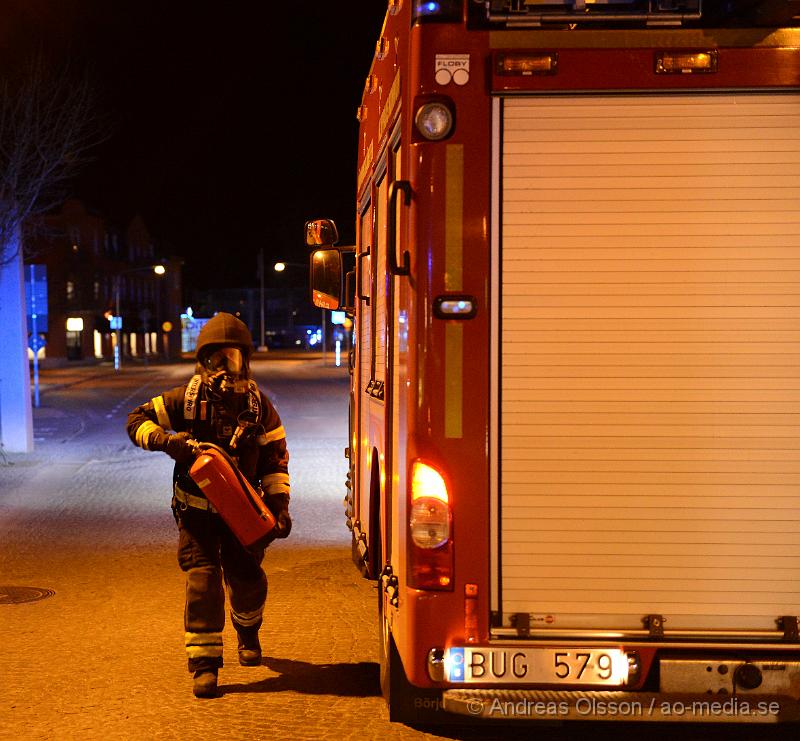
{"type": "Point", "coordinates": [326, 278]}
{"type": "Point", "coordinates": [321, 233]}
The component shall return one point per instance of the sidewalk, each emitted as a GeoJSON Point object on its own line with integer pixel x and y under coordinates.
{"type": "Point", "coordinates": [63, 376]}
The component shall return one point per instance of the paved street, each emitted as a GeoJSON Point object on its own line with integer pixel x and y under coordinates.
{"type": "Point", "coordinates": [87, 516]}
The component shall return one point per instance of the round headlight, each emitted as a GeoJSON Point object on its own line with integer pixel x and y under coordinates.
{"type": "Point", "coordinates": [434, 121]}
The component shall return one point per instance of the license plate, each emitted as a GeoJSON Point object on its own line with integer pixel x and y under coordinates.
{"type": "Point", "coordinates": [606, 667]}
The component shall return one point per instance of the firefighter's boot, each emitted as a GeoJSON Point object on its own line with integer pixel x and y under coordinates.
{"type": "Point", "coordinates": [205, 683]}
{"type": "Point", "coordinates": [249, 646]}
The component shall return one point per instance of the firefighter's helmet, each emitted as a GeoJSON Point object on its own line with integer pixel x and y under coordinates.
{"type": "Point", "coordinates": [224, 330]}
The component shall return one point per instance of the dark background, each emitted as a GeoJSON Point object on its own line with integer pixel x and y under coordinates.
{"type": "Point", "coordinates": [229, 123]}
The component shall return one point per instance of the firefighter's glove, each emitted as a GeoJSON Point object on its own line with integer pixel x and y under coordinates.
{"type": "Point", "coordinates": [279, 506]}
{"type": "Point", "coordinates": [180, 447]}
{"type": "Point", "coordinates": [283, 524]}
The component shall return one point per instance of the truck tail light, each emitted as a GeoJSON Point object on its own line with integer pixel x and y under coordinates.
{"type": "Point", "coordinates": [430, 530]}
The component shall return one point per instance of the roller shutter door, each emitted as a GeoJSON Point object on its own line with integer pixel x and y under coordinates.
{"type": "Point", "coordinates": [649, 361]}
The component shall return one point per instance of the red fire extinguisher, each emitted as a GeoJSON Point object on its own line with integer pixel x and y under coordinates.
{"type": "Point", "coordinates": [231, 494]}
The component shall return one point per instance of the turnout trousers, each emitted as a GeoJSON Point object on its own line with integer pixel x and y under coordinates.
{"type": "Point", "coordinates": [213, 560]}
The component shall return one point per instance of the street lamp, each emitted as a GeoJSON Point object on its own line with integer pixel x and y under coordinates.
{"type": "Point", "coordinates": [116, 320]}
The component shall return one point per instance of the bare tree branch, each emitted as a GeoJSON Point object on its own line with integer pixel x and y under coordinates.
{"type": "Point", "coordinates": [48, 125]}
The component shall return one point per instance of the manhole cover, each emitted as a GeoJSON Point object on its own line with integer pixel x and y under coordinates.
{"type": "Point", "coordinates": [15, 595]}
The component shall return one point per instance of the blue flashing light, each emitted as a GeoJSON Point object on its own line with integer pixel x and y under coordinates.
{"type": "Point", "coordinates": [455, 663]}
{"type": "Point", "coordinates": [437, 11]}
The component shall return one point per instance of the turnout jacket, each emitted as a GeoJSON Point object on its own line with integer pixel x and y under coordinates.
{"type": "Point", "coordinates": [261, 455]}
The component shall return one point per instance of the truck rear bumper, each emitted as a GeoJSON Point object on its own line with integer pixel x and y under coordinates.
{"type": "Point", "coordinates": [549, 705]}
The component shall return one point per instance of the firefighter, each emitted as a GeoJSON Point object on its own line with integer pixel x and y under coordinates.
{"type": "Point", "coordinates": [219, 404]}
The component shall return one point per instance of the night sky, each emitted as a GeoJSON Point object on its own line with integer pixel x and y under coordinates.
{"type": "Point", "coordinates": [231, 123]}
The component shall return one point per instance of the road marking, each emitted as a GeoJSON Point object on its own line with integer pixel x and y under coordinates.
{"type": "Point", "coordinates": [139, 391]}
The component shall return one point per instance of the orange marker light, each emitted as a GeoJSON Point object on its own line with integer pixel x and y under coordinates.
{"type": "Point", "coordinates": [520, 64]}
{"type": "Point", "coordinates": [471, 613]}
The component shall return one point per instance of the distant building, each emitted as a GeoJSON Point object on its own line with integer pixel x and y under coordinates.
{"type": "Point", "coordinates": [96, 272]}
{"type": "Point", "coordinates": [290, 320]}
{"type": "Point", "coordinates": [241, 302]}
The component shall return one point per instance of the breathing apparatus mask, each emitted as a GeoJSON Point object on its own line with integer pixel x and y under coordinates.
{"type": "Point", "coordinates": [225, 370]}
{"type": "Point", "coordinates": [228, 359]}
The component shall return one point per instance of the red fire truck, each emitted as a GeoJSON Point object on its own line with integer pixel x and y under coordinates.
{"type": "Point", "coordinates": [575, 399]}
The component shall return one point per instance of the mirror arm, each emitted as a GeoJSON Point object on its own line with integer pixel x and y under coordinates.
{"type": "Point", "coordinates": [349, 277]}
{"type": "Point", "coordinates": [397, 187]}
